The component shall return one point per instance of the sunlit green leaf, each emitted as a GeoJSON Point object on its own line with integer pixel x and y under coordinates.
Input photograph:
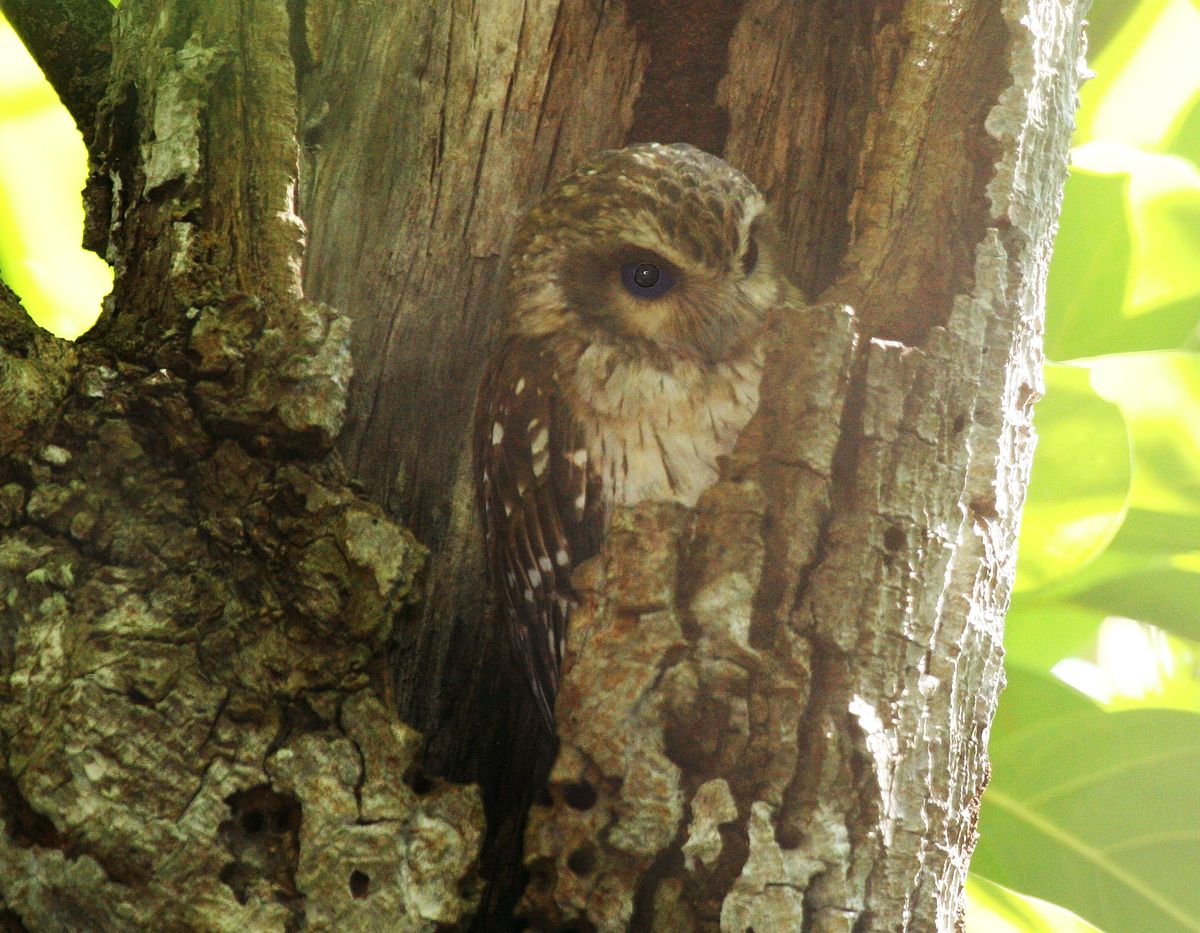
{"type": "Point", "coordinates": [1185, 140]}
{"type": "Point", "coordinates": [1090, 270]}
{"type": "Point", "coordinates": [1039, 634]}
{"type": "Point", "coordinates": [1094, 811]}
{"type": "Point", "coordinates": [1126, 269]}
{"type": "Point", "coordinates": [42, 170]}
{"type": "Point", "coordinates": [1164, 194]}
{"type": "Point", "coordinates": [1106, 19]}
{"type": "Point", "coordinates": [1159, 395]}
{"type": "Point", "coordinates": [992, 908]}
{"type": "Point", "coordinates": [1133, 665]}
{"type": "Point", "coordinates": [1168, 597]}
{"type": "Point", "coordinates": [1149, 532]}
{"type": "Point", "coordinates": [1155, 49]}
{"type": "Point", "coordinates": [1080, 479]}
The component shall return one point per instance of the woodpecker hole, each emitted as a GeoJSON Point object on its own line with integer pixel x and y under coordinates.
{"type": "Point", "coordinates": [360, 883]}
{"type": "Point", "coordinates": [580, 795]}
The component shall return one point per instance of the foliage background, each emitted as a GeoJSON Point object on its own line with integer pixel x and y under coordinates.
{"type": "Point", "coordinates": [1092, 818]}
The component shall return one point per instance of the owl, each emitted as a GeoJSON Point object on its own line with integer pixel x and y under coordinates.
{"type": "Point", "coordinates": [635, 303]}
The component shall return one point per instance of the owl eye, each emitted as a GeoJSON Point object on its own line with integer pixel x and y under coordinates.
{"type": "Point", "coordinates": [646, 279]}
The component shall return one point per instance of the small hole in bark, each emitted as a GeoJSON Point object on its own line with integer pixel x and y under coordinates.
{"type": "Point", "coordinates": [893, 538]}
{"type": "Point", "coordinates": [580, 795]}
{"type": "Point", "coordinates": [230, 876]}
{"type": "Point", "coordinates": [420, 783]}
{"type": "Point", "coordinates": [788, 837]}
{"type": "Point", "coordinates": [137, 698]}
{"type": "Point", "coordinates": [253, 821]}
{"type": "Point", "coordinates": [541, 872]}
{"type": "Point", "coordinates": [360, 883]}
{"type": "Point", "coordinates": [582, 861]}
{"type": "Point", "coordinates": [24, 824]}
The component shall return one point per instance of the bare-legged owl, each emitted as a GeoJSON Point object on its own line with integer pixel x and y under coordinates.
{"type": "Point", "coordinates": [635, 306]}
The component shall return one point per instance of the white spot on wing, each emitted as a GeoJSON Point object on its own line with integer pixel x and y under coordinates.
{"type": "Point", "coordinates": [535, 578]}
{"type": "Point", "coordinates": [520, 386]}
{"type": "Point", "coordinates": [540, 440]}
{"type": "Point", "coordinates": [528, 595]}
{"type": "Point", "coordinates": [562, 557]}
{"type": "Point", "coordinates": [544, 563]}
{"type": "Point", "coordinates": [497, 433]}
{"type": "Point", "coordinates": [578, 457]}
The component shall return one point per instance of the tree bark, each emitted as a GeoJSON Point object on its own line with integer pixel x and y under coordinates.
{"type": "Point", "coordinates": [775, 709]}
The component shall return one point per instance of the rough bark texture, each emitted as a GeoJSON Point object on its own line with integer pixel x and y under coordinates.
{"type": "Point", "coordinates": [914, 151]}
{"type": "Point", "coordinates": [775, 710]}
{"type": "Point", "coordinates": [193, 595]}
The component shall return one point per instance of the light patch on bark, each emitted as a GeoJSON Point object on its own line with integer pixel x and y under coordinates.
{"type": "Point", "coordinates": [174, 153]}
{"type": "Point", "coordinates": [711, 806]}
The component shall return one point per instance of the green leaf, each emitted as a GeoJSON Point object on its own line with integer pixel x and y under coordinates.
{"type": "Point", "coordinates": [1089, 272]}
{"type": "Point", "coordinates": [1126, 268]}
{"type": "Point", "coordinates": [41, 212]}
{"type": "Point", "coordinates": [1159, 396]}
{"type": "Point", "coordinates": [1075, 502]}
{"type": "Point", "coordinates": [1105, 20]}
{"type": "Point", "coordinates": [1150, 532]}
{"type": "Point", "coordinates": [993, 908]}
{"type": "Point", "coordinates": [1164, 194]}
{"type": "Point", "coordinates": [1094, 811]}
{"type": "Point", "coordinates": [1038, 635]}
{"type": "Point", "coordinates": [1155, 49]}
{"type": "Point", "coordinates": [1185, 140]}
{"type": "Point", "coordinates": [1168, 597]}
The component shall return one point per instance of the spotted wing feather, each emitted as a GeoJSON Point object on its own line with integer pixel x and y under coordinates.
{"type": "Point", "coordinates": [540, 504]}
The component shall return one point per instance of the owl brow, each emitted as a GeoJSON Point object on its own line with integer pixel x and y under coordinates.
{"type": "Point", "coordinates": [631, 252]}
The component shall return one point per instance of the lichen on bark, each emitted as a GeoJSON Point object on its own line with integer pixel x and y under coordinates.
{"type": "Point", "coordinates": [194, 596]}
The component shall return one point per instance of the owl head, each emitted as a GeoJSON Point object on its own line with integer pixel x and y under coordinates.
{"type": "Point", "coordinates": [662, 249]}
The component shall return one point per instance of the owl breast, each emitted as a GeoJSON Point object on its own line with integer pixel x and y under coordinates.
{"type": "Point", "coordinates": [656, 433]}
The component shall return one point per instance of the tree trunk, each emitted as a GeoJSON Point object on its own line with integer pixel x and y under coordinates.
{"type": "Point", "coordinates": [775, 707]}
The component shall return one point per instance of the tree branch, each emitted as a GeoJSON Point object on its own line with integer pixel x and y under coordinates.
{"type": "Point", "coordinates": [69, 40]}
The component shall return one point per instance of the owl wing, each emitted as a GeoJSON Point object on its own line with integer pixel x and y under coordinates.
{"type": "Point", "coordinates": [541, 507]}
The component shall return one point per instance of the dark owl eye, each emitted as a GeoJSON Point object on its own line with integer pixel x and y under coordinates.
{"type": "Point", "coordinates": [750, 257]}
{"type": "Point", "coordinates": [646, 279]}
